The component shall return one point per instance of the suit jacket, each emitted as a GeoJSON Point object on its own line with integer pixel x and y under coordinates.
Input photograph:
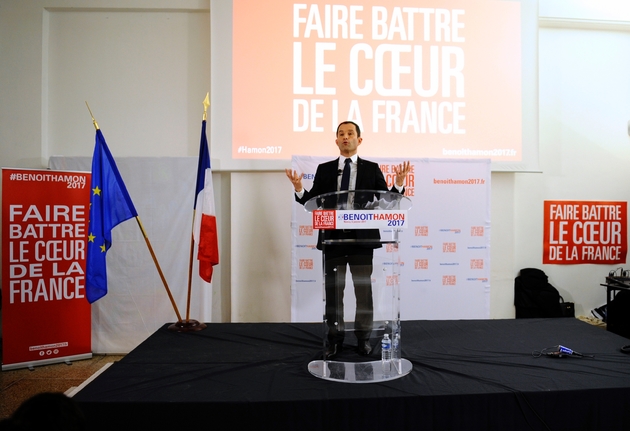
{"type": "Point", "coordinates": [369, 177]}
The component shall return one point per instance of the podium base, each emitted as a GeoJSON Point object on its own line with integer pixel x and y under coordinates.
{"type": "Point", "coordinates": [360, 372]}
{"type": "Point", "coordinates": [190, 325]}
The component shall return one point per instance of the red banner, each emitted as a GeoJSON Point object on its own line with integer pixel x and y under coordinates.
{"type": "Point", "coordinates": [45, 315]}
{"type": "Point", "coordinates": [585, 232]}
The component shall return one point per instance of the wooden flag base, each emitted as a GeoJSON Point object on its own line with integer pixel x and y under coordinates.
{"type": "Point", "coordinates": [187, 326]}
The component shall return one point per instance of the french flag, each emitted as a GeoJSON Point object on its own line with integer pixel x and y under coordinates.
{"type": "Point", "coordinates": [205, 224]}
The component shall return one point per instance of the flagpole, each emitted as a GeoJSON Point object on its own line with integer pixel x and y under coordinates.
{"type": "Point", "coordinates": [148, 243]}
{"type": "Point", "coordinates": [206, 104]}
{"type": "Point", "coordinates": [157, 265]}
{"type": "Point", "coordinates": [190, 266]}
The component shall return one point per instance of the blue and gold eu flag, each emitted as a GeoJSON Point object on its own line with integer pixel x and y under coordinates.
{"type": "Point", "coordinates": [110, 205]}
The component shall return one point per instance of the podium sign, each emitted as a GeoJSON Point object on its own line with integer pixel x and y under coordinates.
{"type": "Point", "coordinates": [359, 219]}
{"type": "Point", "coordinates": [45, 315]}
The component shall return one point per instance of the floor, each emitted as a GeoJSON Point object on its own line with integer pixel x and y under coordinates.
{"type": "Point", "coordinates": [19, 385]}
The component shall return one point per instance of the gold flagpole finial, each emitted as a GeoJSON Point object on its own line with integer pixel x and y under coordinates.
{"type": "Point", "coordinates": [93, 120]}
{"type": "Point", "coordinates": [206, 104]}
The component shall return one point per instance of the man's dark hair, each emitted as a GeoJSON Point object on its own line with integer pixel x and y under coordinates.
{"type": "Point", "coordinates": [350, 122]}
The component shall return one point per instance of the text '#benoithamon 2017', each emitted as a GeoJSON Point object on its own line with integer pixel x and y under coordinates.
{"type": "Point", "coordinates": [73, 181]}
{"type": "Point", "coordinates": [459, 182]}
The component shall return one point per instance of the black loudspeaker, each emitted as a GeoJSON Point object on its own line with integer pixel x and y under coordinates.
{"type": "Point", "coordinates": [618, 314]}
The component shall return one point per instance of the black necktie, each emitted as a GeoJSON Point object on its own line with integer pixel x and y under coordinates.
{"type": "Point", "coordinates": [345, 183]}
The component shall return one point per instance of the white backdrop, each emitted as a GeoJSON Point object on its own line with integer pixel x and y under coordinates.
{"type": "Point", "coordinates": [136, 305]}
{"type": "Point", "coordinates": [444, 253]}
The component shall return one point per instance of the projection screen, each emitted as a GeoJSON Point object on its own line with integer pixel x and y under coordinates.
{"type": "Point", "coordinates": [423, 79]}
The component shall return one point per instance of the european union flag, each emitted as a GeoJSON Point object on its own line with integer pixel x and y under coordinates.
{"type": "Point", "coordinates": [110, 205]}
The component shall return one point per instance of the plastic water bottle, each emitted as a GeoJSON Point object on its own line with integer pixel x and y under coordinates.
{"type": "Point", "coordinates": [386, 350]}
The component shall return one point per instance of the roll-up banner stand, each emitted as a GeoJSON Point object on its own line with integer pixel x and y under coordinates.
{"type": "Point", "coordinates": [45, 316]}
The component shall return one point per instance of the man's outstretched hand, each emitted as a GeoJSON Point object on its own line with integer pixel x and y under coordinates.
{"type": "Point", "coordinates": [295, 178]}
{"type": "Point", "coordinates": [401, 172]}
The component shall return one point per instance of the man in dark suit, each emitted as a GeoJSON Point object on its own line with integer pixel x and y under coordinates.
{"type": "Point", "coordinates": [357, 255]}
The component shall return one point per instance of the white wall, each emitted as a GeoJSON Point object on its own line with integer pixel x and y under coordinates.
{"type": "Point", "coordinates": [584, 144]}
{"type": "Point", "coordinates": [143, 65]}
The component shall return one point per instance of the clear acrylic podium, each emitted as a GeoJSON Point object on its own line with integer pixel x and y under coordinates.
{"type": "Point", "coordinates": [361, 300]}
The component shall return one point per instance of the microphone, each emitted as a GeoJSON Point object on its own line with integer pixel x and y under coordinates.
{"type": "Point", "coordinates": [339, 172]}
{"type": "Point", "coordinates": [563, 351]}
{"type": "Point", "coordinates": [568, 351]}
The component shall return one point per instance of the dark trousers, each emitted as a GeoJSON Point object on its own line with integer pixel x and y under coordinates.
{"type": "Point", "coordinates": [336, 261]}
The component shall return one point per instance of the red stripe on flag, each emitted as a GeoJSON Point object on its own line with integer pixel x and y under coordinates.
{"type": "Point", "coordinates": [208, 253]}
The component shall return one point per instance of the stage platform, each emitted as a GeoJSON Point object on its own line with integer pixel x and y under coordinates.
{"type": "Point", "coordinates": [467, 375]}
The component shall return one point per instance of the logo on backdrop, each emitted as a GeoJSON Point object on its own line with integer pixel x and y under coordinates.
{"type": "Point", "coordinates": [421, 231]}
{"type": "Point", "coordinates": [305, 230]}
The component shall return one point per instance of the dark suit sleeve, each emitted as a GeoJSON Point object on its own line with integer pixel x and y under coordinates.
{"type": "Point", "coordinates": [371, 178]}
{"type": "Point", "coordinates": [381, 184]}
{"type": "Point", "coordinates": [325, 181]}
{"type": "Point", "coordinates": [393, 188]}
